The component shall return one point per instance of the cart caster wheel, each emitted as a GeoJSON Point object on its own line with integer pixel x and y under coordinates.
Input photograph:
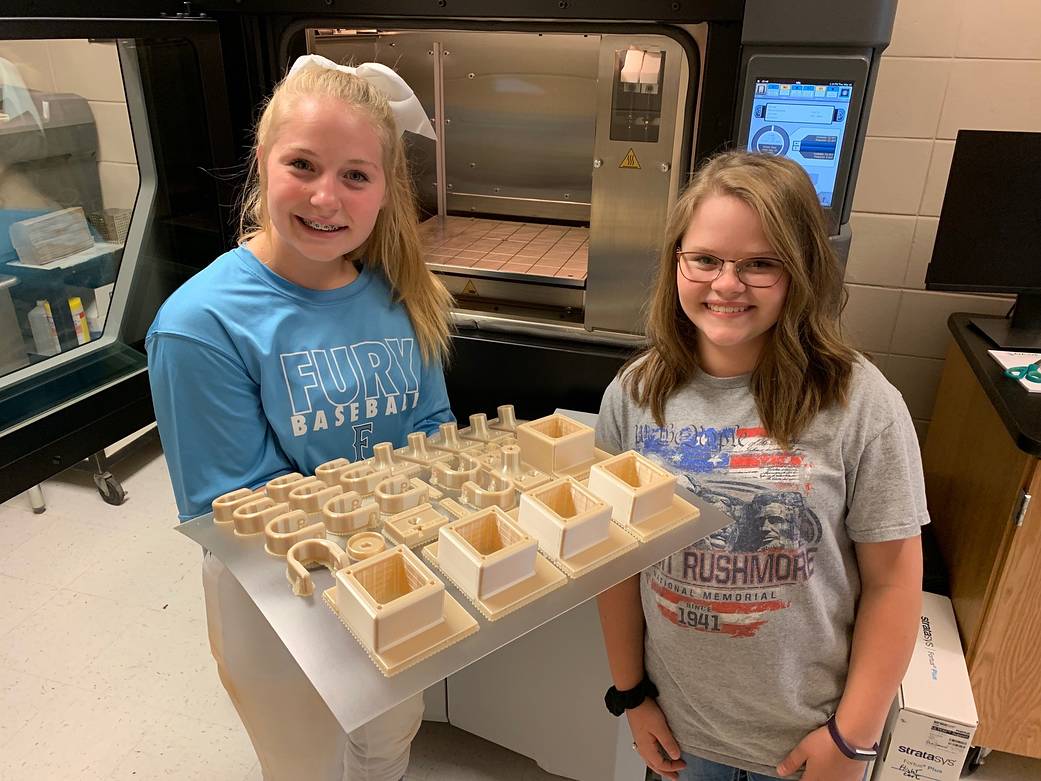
{"type": "Point", "coordinates": [975, 759]}
{"type": "Point", "coordinates": [110, 489]}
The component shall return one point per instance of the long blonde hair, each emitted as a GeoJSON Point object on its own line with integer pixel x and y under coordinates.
{"type": "Point", "coordinates": [806, 364]}
{"type": "Point", "coordinates": [394, 245]}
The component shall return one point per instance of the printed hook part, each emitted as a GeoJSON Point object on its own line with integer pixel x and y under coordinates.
{"type": "Point", "coordinates": [284, 531]}
{"type": "Point", "coordinates": [314, 551]}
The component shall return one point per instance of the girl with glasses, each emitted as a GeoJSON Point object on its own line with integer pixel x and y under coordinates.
{"type": "Point", "coordinates": [774, 647]}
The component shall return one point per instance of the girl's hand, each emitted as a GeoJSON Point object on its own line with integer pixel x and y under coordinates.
{"type": "Point", "coordinates": [653, 739]}
{"type": "Point", "coordinates": [823, 760]}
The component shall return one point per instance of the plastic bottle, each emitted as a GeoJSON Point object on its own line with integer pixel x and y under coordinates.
{"type": "Point", "coordinates": [79, 320]}
{"type": "Point", "coordinates": [45, 335]}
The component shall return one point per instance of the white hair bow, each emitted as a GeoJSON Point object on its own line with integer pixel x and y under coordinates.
{"type": "Point", "coordinates": [408, 111]}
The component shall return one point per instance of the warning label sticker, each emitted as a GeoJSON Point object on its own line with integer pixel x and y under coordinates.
{"type": "Point", "coordinates": [630, 161]}
{"type": "Point", "coordinates": [470, 289]}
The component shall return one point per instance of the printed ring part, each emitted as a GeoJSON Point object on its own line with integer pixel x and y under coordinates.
{"type": "Point", "coordinates": [362, 546]}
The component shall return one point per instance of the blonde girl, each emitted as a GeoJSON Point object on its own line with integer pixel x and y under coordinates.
{"type": "Point", "coordinates": [320, 335]}
{"type": "Point", "coordinates": [774, 647]}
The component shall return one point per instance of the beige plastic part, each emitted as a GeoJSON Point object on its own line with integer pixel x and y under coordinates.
{"type": "Point", "coordinates": [348, 513]}
{"type": "Point", "coordinates": [362, 478]}
{"type": "Point", "coordinates": [384, 460]}
{"type": "Point", "coordinates": [581, 472]}
{"type": "Point", "coordinates": [506, 420]}
{"type": "Point", "coordinates": [415, 526]}
{"type": "Point", "coordinates": [448, 439]}
{"type": "Point", "coordinates": [453, 508]}
{"type": "Point", "coordinates": [279, 488]}
{"type": "Point", "coordinates": [486, 552]}
{"type": "Point", "coordinates": [284, 531]}
{"type": "Point", "coordinates": [418, 451]}
{"type": "Point", "coordinates": [642, 495]}
{"type": "Point", "coordinates": [572, 526]}
{"type": "Point", "coordinates": [524, 476]}
{"type": "Point", "coordinates": [329, 472]}
{"type": "Point", "coordinates": [555, 443]}
{"type": "Point", "coordinates": [224, 506]}
{"type": "Point", "coordinates": [479, 431]}
{"type": "Point", "coordinates": [365, 544]}
{"type": "Point", "coordinates": [398, 493]}
{"type": "Point", "coordinates": [398, 609]}
{"type": "Point", "coordinates": [450, 475]}
{"type": "Point", "coordinates": [491, 560]}
{"type": "Point", "coordinates": [252, 517]}
{"type": "Point", "coordinates": [489, 489]}
{"type": "Point", "coordinates": [313, 551]}
{"type": "Point", "coordinates": [310, 497]}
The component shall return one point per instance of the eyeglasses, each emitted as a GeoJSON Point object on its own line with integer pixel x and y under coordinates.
{"type": "Point", "coordinates": [754, 272]}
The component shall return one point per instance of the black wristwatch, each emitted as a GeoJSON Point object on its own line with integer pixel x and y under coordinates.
{"type": "Point", "coordinates": [619, 702]}
{"type": "Point", "coordinates": [862, 754]}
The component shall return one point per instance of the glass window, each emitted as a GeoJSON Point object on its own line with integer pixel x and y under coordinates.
{"type": "Point", "coordinates": [68, 184]}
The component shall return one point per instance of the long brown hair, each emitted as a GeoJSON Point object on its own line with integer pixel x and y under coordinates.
{"type": "Point", "coordinates": [806, 364]}
{"type": "Point", "coordinates": [393, 246]}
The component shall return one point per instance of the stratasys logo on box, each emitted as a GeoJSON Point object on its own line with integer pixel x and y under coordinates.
{"type": "Point", "coordinates": [926, 756]}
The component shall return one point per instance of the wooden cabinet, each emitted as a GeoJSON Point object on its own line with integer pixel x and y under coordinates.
{"type": "Point", "coordinates": [976, 477]}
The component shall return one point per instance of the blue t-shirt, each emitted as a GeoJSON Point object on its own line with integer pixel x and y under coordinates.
{"type": "Point", "coordinates": [253, 377]}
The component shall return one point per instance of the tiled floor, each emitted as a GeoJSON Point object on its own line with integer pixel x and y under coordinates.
{"type": "Point", "coordinates": [518, 247]}
{"type": "Point", "coordinates": [105, 671]}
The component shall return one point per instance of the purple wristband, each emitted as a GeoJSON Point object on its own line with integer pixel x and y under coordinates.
{"type": "Point", "coordinates": [865, 755]}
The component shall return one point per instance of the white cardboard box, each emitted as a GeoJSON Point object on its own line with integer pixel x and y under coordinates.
{"type": "Point", "coordinates": [930, 728]}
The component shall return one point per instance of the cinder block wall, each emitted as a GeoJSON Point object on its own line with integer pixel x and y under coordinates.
{"type": "Point", "coordinates": [952, 64]}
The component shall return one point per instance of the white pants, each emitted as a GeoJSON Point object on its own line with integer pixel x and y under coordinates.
{"type": "Point", "coordinates": [293, 731]}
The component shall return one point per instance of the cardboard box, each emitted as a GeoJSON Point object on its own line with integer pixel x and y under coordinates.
{"type": "Point", "coordinates": [930, 728]}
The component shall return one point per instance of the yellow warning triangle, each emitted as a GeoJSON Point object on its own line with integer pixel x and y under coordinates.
{"type": "Point", "coordinates": [470, 289]}
{"type": "Point", "coordinates": [630, 160]}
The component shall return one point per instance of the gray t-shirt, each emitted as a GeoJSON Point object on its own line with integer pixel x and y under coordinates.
{"type": "Point", "coordinates": [749, 630]}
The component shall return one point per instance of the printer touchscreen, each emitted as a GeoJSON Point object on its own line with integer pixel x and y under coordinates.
{"type": "Point", "coordinates": [804, 120]}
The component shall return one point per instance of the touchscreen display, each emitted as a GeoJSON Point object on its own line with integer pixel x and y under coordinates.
{"type": "Point", "coordinates": [804, 120]}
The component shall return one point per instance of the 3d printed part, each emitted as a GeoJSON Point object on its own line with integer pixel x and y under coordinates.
{"type": "Point", "coordinates": [448, 439]}
{"type": "Point", "coordinates": [642, 495]}
{"type": "Point", "coordinates": [364, 545]}
{"type": "Point", "coordinates": [479, 431]}
{"type": "Point", "coordinates": [555, 443]}
{"type": "Point", "coordinates": [449, 475]}
{"type": "Point", "coordinates": [329, 472]}
{"type": "Point", "coordinates": [224, 506]}
{"type": "Point", "coordinates": [488, 489]}
{"type": "Point", "coordinates": [572, 526]}
{"type": "Point", "coordinates": [414, 526]}
{"type": "Point", "coordinates": [506, 421]}
{"type": "Point", "coordinates": [491, 560]}
{"type": "Point", "coordinates": [252, 517]}
{"type": "Point", "coordinates": [310, 497]}
{"type": "Point", "coordinates": [312, 552]}
{"type": "Point", "coordinates": [348, 513]}
{"type": "Point", "coordinates": [279, 488]}
{"type": "Point", "coordinates": [398, 609]}
{"type": "Point", "coordinates": [486, 553]}
{"type": "Point", "coordinates": [362, 478]}
{"type": "Point", "coordinates": [284, 531]}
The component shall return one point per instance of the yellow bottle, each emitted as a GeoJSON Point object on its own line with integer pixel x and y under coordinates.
{"type": "Point", "coordinates": [79, 320]}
